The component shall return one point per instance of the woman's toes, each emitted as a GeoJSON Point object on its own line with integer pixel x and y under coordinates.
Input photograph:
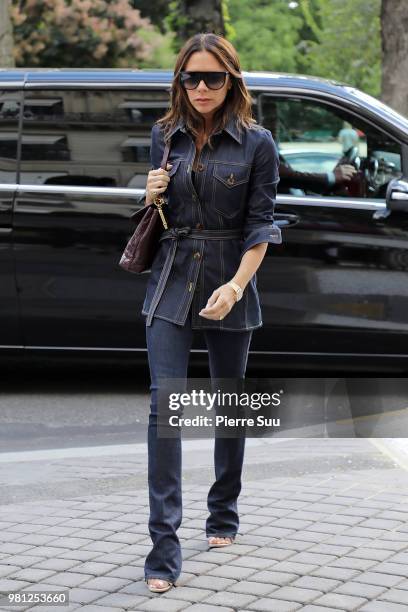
{"type": "Point", "coordinates": [157, 583]}
{"type": "Point", "coordinates": [219, 540]}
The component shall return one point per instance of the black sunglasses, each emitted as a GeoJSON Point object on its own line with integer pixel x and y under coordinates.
{"type": "Point", "coordinates": [213, 80]}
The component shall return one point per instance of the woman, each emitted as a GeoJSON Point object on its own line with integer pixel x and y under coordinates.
{"type": "Point", "coordinates": [221, 185]}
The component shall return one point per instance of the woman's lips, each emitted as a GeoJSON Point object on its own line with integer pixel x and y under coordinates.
{"type": "Point", "coordinates": [202, 101]}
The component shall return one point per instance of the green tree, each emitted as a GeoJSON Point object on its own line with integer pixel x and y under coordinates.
{"type": "Point", "coordinates": [266, 34]}
{"type": "Point", "coordinates": [189, 17]}
{"type": "Point", "coordinates": [394, 38]}
{"type": "Point", "coordinates": [6, 36]}
{"type": "Point", "coordinates": [156, 11]}
{"type": "Point", "coordinates": [334, 39]}
{"type": "Point", "coordinates": [80, 33]}
{"type": "Point", "coordinates": [345, 44]}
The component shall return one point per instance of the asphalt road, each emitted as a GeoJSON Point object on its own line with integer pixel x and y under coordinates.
{"type": "Point", "coordinates": [45, 405]}
{"type": "Point", "coordinates": [51, 405]}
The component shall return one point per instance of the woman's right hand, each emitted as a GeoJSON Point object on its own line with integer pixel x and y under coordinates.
{"type": "Point", "coordinates": [157, 183]}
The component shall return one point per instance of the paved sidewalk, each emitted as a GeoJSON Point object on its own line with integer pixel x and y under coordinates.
{"type": "Point", "coordinates": [324, 526]}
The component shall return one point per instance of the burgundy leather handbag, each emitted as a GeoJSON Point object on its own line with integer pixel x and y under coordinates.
{"type": "Point", "coordinates": [150, 221]}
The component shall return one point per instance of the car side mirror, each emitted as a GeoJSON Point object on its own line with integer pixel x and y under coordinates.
{"type": "Point", "coordinates": [396, 197]}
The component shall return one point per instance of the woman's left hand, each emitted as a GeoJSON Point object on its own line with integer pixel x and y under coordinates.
{"type": "Point", "coordinates": [219, 303]}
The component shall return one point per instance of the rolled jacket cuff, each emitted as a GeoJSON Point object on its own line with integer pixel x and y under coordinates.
{"type": "Point", "coordinates": [265, 233]}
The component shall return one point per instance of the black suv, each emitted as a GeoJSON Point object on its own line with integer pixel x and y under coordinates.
{"type": "Point", "coordinates": [74, 154]}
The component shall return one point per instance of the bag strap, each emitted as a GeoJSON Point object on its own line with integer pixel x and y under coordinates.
{"type": "Point", "coordinates": [165, 155]}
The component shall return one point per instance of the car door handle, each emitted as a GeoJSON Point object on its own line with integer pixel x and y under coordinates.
{"type": "Point", "coordinates": [285, 219]}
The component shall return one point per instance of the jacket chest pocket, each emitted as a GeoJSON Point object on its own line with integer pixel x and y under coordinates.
{"type": "Point", "coordinates": [230, 184]}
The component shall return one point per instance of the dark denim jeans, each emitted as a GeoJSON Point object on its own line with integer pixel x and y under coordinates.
{"type": "Point", "coordinates": [168, 348]}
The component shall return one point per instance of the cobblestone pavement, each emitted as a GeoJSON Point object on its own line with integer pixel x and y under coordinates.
{"type": "Point", "coordinates": [324, 526]}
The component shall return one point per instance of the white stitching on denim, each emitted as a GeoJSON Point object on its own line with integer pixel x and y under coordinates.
{"type": "Point", "coordinates": [237, 329]}
{"type": "Point", "coordinates": [236, 183]}
{"type": "Point", "coordinates": [222, 271]}
{"type": "Point", "coordinates": [201, 247]}
{"type": "Point", "coordinates": [186, 292]}
{"type": "Point", "coordinates": [202, 211]}
{"type": "Point", "coordinates": [202, 284]}
{"type": "Point", "coordinates": [223, 161]}
{"type": "Point", "coordinates": [198, 299]}
{"type": "Point", "coordinates": [219, 182]}
{"type": "Point", "coordinates": [205, 162]}
{"type": "Point", "coordinates": [159, 316]}
{"type": "Point", "coordinates": [200, 184]}
{"type": "Point", "coordinates": [168, 264]}
{"type": "Point", "coordinates": [246, 307]}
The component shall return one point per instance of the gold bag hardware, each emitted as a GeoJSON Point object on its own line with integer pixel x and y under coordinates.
{"type": "Point", "coordinates": [159, 201]}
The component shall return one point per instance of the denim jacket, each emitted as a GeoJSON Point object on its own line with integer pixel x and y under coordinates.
{"type": "Point", "coordinates": [236, 185]}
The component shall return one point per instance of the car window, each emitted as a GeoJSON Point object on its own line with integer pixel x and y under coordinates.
{"type": "Point", "coordinates": [9, 113]}
{"type": "Point", "coordinates": [95, 138]}
{"type": "Point", "coordinates": [328, 151]}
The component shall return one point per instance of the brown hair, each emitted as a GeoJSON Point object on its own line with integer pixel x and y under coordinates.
{"type": "Point", "coordinates": [237, 103]}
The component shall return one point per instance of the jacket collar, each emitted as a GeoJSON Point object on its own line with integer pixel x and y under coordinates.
{"type": "Point", "coordinates": [230, 127]}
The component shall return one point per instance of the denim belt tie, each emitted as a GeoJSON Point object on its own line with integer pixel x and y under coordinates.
{"type": "Point", "coordinates": [174, 234]}
{"type": "Point", "coordinates": [179, 232]}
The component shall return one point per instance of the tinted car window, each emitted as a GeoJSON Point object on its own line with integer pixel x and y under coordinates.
{"type": "Point", "coordinates": [95, 138]}
{"type": "Point", "coordinates": [314, 137]}
{"type": "Point", "coordinates": [9, 112]}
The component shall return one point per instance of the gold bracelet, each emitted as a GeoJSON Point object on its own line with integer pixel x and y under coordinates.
{"type": "Point", "coordinates": [237, 289]}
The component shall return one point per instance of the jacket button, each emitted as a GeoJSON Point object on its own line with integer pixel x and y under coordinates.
{"type": "Point", "coordinates": [197, 255]}
{"type": "Point", "coordinates": [199, 226]}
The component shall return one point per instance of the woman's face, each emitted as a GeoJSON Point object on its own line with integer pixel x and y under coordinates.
{"type": "Point", "coordinates": [206, 62]}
